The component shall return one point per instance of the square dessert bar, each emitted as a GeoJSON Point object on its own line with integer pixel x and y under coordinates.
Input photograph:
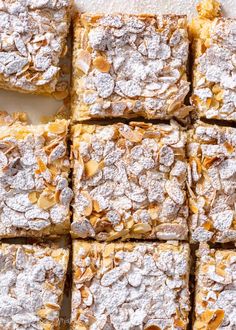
{"type": "Point", "coordinates": [214, 71]}
{"type": "Point", "coordinates": [212, 178]}
{"type": "Point", "coordinates": [129, 181]}
{"type": "Point", "coordinates": [215, 289]}
{"type": "Point", "coordinates": [31, 286]}
{"type": "Point", "coordinates": [130, 286]}
{"type": "Point", "coordinates": [32, 41]}
{"type": "Point", "coordinates": [129, 66]}
{"type": "Point", "coordinates": [34, 168]}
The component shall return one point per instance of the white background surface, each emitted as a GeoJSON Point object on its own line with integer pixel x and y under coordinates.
{"type": "Point", "coordinates": [39, 106]}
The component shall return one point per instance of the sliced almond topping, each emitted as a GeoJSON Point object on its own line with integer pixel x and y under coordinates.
{"type": "Point", "coordinates": [78, 273]}
{"type": "Point", "coordinates": [216, 321]}
{"type": "Point", "coordinates": [115, 235]}
{"type": "Point", "coordinates": [141, 228]}
{"type": "Point", "coordinates": [96, 206]}
{"type": "Point", "coordinates": [207, 315]}
{"type": "Point", "coordinates": [220, 271]}
{"type": "Point", "coordinates": [152, 327]}
{"type": "Point", "coordinates": [89, 208]}
{"type": "Point", "coordinates": [53, 306]}
{"type": "Point", "coordinates": [193, 206]}
{"type": "Point", "coordinates": [58, 127]}
{"type": "Point", "coordinates": [208, 161]}
{"type": "Point", "coordinates": [91, 167]}
{"type": "Point", "coordinates": [41, 165]}
{"type": "Point", "coordinates": [229, 147]}
{"type": "Point", "coordinates": [33, 197]}
{"type": "Point", "coordinates": [46, 201]}
{"type": "Point", "coordinates": [83, 60]}
{"type": "Point", "coordinates": [132, 136]}
{"type": "Point", "coordinates": [43, 313]}
{"type": "Point", "coordinates": [207, 225]}
{"type": "Point", "coordinates": [180, 323]}
{"type": "Point", "coordinates": [101, 64]}
{"type": "Point", "coordinates": [198, 162]}
{"type": "Point", "coordinates": [87, 276]}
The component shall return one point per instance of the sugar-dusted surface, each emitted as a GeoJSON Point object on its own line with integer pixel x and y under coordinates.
{"type": "Point", "coordinates": [130, 285]}
{"type": "Point", "coordinates": [130, 66]}
{"type": "Point", "coordinates": [212, 177]}
{"type": "Point", "coordinates": [31, 286]}
{"type": "Point", "coordinates": [33, 38]}
{"type": "Point", "coordinates": [178, 7]}
{"type": "Point", "coordinates": [215, 289]}
{"type": "Point", "coordinates": [129, 181]}
{"type": "Point", "coordinates": [34, 192]}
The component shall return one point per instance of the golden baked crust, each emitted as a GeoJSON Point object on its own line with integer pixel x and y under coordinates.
{"type": "Point", "coordinates": [129, 66]}
{"type": "Point", "coordinates": [129, 181]}
{"type": "Point", "coordinates": [130, 285]}
{"type": "Point", "coordinates": [212, 178]}
{"type": "Point", "coordinates": [34, 169]}
{"type": "Point", "coordinates": [214, 81]}
{"type": "Point", "coordinates": [33, 39]}
{"type": "Point", "coordinates": [215, 289]}
{"type": "Point", "coordinates": [31, 286]}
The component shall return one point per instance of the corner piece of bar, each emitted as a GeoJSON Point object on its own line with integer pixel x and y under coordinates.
{"type": "Point", "coordinates": [215, 289]}
{"type": "Point", "coordinates": [129, 181]}
{"type": "Point", "coordinates": [214, 70]}
{"type": "Point", "coordinates": [34, 169]}
{"type": "Point", "coordinates": [212, 183]}
{"type": "Point", "coordinates": [130, 66]}
{"type": "Point", "coordinates": [33, 40]}
{"type": "Point", "coordinates": [130, 285]}
{"type": "Point", "coordinates": [31, 286]}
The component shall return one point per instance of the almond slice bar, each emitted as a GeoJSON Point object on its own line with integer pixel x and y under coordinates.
{"type": "Point", "coordinates": [130, 66]}
{"type": "Point", "coordinates": [215, 289]}
{"type": "Point", "coordinates": [212, 177]}
{"type": "Point", "coordinates": [31, 286]}
{"type": "Point", "coordinates": [130, 286]}
{"type": "Point", "coordinates": [214, 72]}
{"type": "Point", "coordinates": [34, 168]}
{"type": "Point", "coordinates": [33, 40]}
{"type": "Point", "coordinates": [129, 181]}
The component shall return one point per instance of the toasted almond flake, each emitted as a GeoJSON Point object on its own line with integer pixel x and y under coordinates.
{"type": "Point", "coordinates": [42, 166]}
{"type": "Point", "coordinates": [229, 147]}
{"type": "Point", "coordinates": [193, 206]}
{"type": "Point", "coordinates": [58, 127]}
{"type": "Point", "coordinates": [217, 320]}
{"type": "Point", "coordinates": [207, 225]}
{"type": "Point", "coordinates": [91, 167]}
{"type": "Point", "coordinates": [152, 327]}
{"type": "Point", "coordinates": [101, 64]}
{"type": "Point", "coordinates": [115, 235]}
{"type": "Point", "coordinates": [208, 161]}
{"type": "Point", "coordinates": [33, 197]}
{"type": "Point", "coordinates": [132, 135]}
{"type": "Point", "coordinates": [46, 201]}
{"type": "Point", "coordinates": [141, 228]}
{"type": "Point", "coordinates": [87, 276]}
{"type": "Point", "coordinates": [83, 60]}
